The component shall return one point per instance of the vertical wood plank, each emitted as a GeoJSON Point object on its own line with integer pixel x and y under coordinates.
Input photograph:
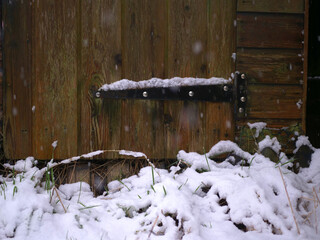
{"type": "Point", "coordinates": [101, 63]}
{"type": "Point", "coordinates": [143, 51]}
{"type": "Point", "coordinates": [221, 38]}
{"type": "Point", "coordinates": [18, 84]}
{"type": "Point", "coordinates": [187, 57]}
{"type": "Point", "coordinates": [305, 65]}
{"type": "Point", "coordinates": [55, 82]}
{"type": "Point", "coordinates": [221, 58]}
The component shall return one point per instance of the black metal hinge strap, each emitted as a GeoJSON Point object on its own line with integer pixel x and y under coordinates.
{"type": "Point", "coordinates": [212, 93]}
{"type": "Point", "coordinates": [241, 95]}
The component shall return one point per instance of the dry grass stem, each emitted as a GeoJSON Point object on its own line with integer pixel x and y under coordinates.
{"type": "Point", "coordinates": [72, 173]}
{"type": "Point", "coordinates": [315, 204]}
{"type": "Point", "coordinates": [154, 224]}
{"type": "Point", "coordinates": [307, 217]}
{"type": "Point", "coordinates": [285, 187]}
{"type": "Point", "coordinates": [60, 199]}
{"type": "Point", "coordinates": [316, 194]}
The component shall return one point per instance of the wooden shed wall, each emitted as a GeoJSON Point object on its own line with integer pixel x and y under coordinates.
{"type": "Point", "coordinates": [56, 52]}
{"type": "Point", "coordinates": [271, 50]}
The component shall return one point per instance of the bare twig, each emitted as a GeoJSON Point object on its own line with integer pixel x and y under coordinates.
{"type": "Point", "coordinates": [285, 187]}
{"type": "Point", "coordinates": [154, 224]}
{"type": "Point", "coordinates": [307, 217]}
{"type": "Point", "coordinates": [316, 194]}
{"type": "Point", "coordinates": [60, 199]}
{"type": "Point", "coordinates": [72, 173]}
{"type": "Point", "coordinates": [315, 204]}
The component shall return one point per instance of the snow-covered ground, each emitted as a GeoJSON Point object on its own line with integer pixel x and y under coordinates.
{"type": "Point", "coordinates": [195, 199]}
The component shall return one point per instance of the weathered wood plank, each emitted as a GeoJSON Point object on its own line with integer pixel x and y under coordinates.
{"type": "Point", "coordinates": [219, 123]}
{"type": "Point", "coordinates": [221, 38]}
{"type": "Point", "coordinates": [187, 49]}
{"type": "Point", "coordinates": [100, 48]}
{"type": "Point", "coordinates": [305, 64]}
{"type": "Point", "coordinates": [18, 79]}
{"type": "Point", "coordinates": [270, 65]}
{"type": "Point", "coordinates": [280, 6]}
{"type": "Point", "coordinates": [269, 30]}
{"type": "Point", "coordinates": [55, 79]}
{"type": "Point", "coordinates": [221, 48]}
{"type": "Point", "coordinates": [272, 101]}
{"type": "Point", "coordinates": [143, 52]}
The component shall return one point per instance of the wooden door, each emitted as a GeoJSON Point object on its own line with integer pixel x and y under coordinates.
{"type": "Point", "coordinates": [56, 53]}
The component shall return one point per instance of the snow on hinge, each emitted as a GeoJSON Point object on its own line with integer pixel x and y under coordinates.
{"type": "Point", "coordinates": [125, 84]}
{"type": "Point", "coordinates": [199, 89]}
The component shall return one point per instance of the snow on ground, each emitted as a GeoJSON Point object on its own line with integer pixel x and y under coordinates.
{"type": "Point", "coordinates": [195, 199]}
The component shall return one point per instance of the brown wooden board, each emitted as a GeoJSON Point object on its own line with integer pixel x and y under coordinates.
{"type": "Point", "coordinates": [221, 63]}
{"type": "Point", "coordinates": [187, 47]}
{"type": "Point", "coordinates": [269, 30]}
{"type": "Point", "coordinates": [281, 6]}
{"type": "Point", "coordinates": [201, 41]}
{"type": "Point", "coordinates": [99, 47]}
{"type": "Point", "coordinates": [18, 79]}
{"type": "Point", "coordinates": [55, 79]}
{"type": "Point", "coordinates": [221, 47]}
{"type": "Point", "coordinates": [143, 51]}
{"type": "Point", "coordinates": [271, 66]}
{"type": "Point", "coordinates": [274, 101]}
{"type": "Point", "coordinates": [305, 64]}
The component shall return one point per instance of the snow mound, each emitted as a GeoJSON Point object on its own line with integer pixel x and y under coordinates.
{"type": "Point", "coordinates": [196, 199]}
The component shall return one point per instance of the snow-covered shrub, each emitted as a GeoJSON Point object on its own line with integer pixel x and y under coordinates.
{"type": "Point", "coordinates": [202, 200]}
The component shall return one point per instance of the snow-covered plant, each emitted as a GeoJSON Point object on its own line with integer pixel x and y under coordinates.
{"type": "Point", "coordinates": [226, 201]}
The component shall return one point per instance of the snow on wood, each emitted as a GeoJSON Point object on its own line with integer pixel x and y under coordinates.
{"type": "Point", "coordinates": [163, 83]}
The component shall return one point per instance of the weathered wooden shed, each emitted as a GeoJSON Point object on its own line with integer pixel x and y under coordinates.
{"type": "Point", "coordinates": [57, 53]}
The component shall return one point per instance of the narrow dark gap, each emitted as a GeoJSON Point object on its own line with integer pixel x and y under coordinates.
{"type": "Point", "coordinates": [2, 156]}
{"type": "Point", "coordinates": [313, 97]}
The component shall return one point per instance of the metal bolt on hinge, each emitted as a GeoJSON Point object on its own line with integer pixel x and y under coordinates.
{"type": "Point", "coordinates": [243, 99]}
{"type": "Point", "coordinates": [191, 93]}
{"type": "Point", "coordinates": [241, 110]}
{"type": "Point", "coordinates": [145, 94]}
{"type": "Point", "coordinates": [243, 76]}
{"type": "Point", "coordinates": [225, 88]}
{"type": "Point", "coordinates": [97, 94]}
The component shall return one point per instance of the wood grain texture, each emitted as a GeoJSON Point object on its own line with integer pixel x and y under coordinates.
{"type": "Point", "coordinates": [221, 47]}
{"type": "Point", "coordinates": [100, 53]}
{"type": "Point", "coordinates": [55, 80]}
{"type": "Point", "coordinates": [279, 6]}
{"type": "Point", "coordinates": [270, 66]}
{"type": "Point", "coordinates": [143, 52]}
{"type": "Point", "coordinates": [221, 38]}
{"type": "Point", "coordinates": [18, 79]}
{"type": "Point", "coordinates": [305, 64]}
{"type": "Point", "coordinates": [269, 30]}
{"type": "Point", "coordinates": [272, 101]}
{"type": "Point", "coordinates": [187, 57]}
